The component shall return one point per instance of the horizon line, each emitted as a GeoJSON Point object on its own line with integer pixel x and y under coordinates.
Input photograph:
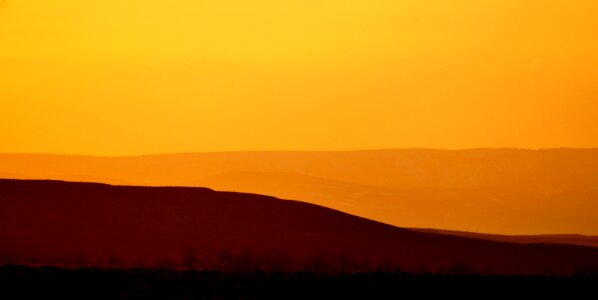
{"type": "Point", "coordinates": [300, 151]}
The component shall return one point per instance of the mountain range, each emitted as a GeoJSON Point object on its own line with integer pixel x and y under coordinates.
{"type": "Point", "coordinates": [499, 191]}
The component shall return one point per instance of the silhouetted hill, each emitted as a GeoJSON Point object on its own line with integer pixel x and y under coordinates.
{"type": "Point", "coordinates": [571, 239]}
{"type": "Point", "coordinates": [482, 190]}
{"type": "Point", "coordinates": [53, 222]}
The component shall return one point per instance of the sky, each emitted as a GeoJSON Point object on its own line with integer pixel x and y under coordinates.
{"type": "Point", "coordinates": [116, 77]}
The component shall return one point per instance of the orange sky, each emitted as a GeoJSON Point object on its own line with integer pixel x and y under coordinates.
{"type": "Point", "coordinates": [119, 77]}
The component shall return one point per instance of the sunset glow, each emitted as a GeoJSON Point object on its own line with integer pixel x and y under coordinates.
{"type": "Point", "coordinates": [298, 149]}
{"type": "Point", "coordinates": [134, 77]}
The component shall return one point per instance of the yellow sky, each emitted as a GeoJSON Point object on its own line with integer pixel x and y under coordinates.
{"type": "Point", "coordinates": [117, 77]}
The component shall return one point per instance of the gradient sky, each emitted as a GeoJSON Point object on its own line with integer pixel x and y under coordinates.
{"type": "Point", "coordinates": [117, 77]}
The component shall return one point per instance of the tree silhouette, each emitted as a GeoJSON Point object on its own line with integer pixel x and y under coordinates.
{"type": "Point", "coordinates": [190, 258]}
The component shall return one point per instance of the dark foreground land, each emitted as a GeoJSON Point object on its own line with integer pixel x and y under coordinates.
{"type": "Point", "coordinates": [20, 282]}
{"type": "Point", "coordinates": [86, 224]}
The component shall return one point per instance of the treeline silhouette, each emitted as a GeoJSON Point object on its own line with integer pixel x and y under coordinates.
{"type": "Point", "coordinates": [273, 260]}
{"type": "Point", "coordinates": [246, 260]}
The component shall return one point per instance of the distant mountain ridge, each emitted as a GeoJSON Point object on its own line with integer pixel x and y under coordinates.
{"type": "Point", "coordinates": [481, 190]}
{"type": "Point", "coordinates": [401, 168]}
{"type": "Point", "coordinates": [572, 239]}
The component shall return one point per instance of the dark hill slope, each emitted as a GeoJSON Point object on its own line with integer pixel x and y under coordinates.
{"type": "Point", "coordinates": [54, 222]}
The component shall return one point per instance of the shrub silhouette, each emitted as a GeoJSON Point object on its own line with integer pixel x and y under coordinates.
{"type": "Point", "coordinates": [114, 261]}
{"type": "Point", "coordinates": [190, 258]}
